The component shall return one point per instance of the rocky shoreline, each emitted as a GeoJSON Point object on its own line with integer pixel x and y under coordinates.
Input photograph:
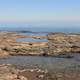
{"type": "Point", "coordinates": [58, 44]}
{"type": "Point", "coordinates": [10, 72]}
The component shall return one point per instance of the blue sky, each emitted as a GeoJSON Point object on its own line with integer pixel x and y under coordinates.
{"type": "Point", "coordinates": [40, 11]}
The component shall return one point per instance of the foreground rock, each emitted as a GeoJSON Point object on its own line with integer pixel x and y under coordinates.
{"type": "Point", "coordinates": [60, 43]}
{"type": "Point", "coordinates": [10, 72]}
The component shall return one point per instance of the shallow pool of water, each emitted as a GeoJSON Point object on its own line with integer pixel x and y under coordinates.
{"type": "Point", "coordinates": [50, 63]}
{"type": "Point", "coordinates": [31, 40]}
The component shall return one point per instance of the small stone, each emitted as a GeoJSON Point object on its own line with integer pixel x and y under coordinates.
{"type": "Point", "coordinates": [41, 76]}
{"type": "Point", "coordinates": [32, 70]}
{"type": "Point", "coordinates": [59, 75]}
{"type": "Point", "coordinates": [22, 78]}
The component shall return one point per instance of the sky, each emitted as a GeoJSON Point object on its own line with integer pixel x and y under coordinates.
{"type": "Point", "coordinates": [40, 11]}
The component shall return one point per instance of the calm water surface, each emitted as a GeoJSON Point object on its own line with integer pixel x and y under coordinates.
{"type": "Point", "coordinates": [31, 39]}
{"type": "Point", "coordinates": [50, 63]}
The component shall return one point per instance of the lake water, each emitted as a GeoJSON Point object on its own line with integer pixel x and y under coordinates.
{"type": "Point", "coordinates": [40, 29]}
{"type": "Point", "coordinates": [50, 63]}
